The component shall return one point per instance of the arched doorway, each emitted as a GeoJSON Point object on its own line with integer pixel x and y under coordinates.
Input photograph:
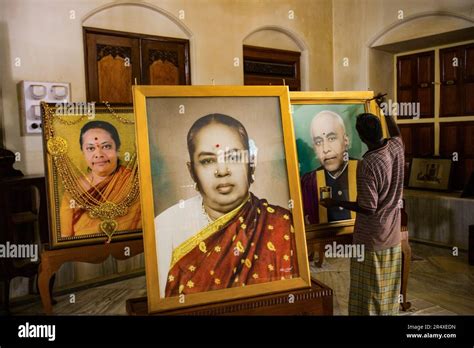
{"type": "Point", "coordinates": [275, 55]}
{"type": "Point", "coordinates": [133, 43]}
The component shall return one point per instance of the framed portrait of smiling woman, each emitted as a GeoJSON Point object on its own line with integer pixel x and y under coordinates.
{"type": "Point", "coordinates": [329, 149]}
{"type": "Point", "coordinates": [220, 194]}
{"type": "Point", "coordinates": [91, 173]}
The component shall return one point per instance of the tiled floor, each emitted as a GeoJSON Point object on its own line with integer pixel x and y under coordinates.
{"type": "Point", "coordinates": [439, 284]}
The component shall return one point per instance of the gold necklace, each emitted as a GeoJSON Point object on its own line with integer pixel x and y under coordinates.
{"type": "Point", "coordinates": [206, 215]}
{"type": "Point", "coordinates": [118, 117]}
{"type": "Point", "coordinates": [71, 177]}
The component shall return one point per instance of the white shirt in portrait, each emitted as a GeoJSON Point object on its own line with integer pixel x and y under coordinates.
{"type": "Point", "coordinates": [174, 226]}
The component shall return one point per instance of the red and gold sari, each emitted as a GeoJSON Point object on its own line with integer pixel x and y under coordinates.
{"type": "Point", "coordinates": [76, 221]}
{"type": "Point", "coordinates": [254, 243]}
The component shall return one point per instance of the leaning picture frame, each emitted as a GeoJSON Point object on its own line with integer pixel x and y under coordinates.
{"type": "Point", "coordinates": [328, 149]}
{"type": "Point", "coordinates": [220, 194]}
{"type": "Point", "coordinates": [91, 173]}
{"type": "Point", "coordinates": [430, 173]}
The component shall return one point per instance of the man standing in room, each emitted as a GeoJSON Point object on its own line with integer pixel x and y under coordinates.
{"type": "Point", "coordinates": [330, 145]}
{"type": "Point", "coordinates": [375, 281]}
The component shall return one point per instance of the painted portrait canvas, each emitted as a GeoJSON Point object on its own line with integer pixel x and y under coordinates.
{"type": "Point", "coordinates": [329, 149]}
{"type": "Point", "coordinates": [220, 194]}
{"type": "Point", "coordinates": [92, 173]}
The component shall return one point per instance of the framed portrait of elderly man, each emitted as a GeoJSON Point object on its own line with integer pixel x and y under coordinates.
{"type": "Point", "coordinates": [329, 149]}
{"type": "Point", "coordinates": [220, 194]}
{"type": "Point", "coordinates": [91, 173]}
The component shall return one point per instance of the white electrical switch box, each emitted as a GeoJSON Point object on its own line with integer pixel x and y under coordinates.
{"type": "Point", "coordinates": [32, 94]}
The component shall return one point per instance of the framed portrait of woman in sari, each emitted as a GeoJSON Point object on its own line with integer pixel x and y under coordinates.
{"type": "Point", "coordinates": [329, 149]}
{"type": "Point", "coordinates": [220, 194]}
{"type": "Point", "coordinates": [91, 173]}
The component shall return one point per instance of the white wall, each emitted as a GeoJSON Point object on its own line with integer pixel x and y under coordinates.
{"type": "Point", "coordinates": [357, 24]}
{"type": "Point", "coordinates": [50, 44]}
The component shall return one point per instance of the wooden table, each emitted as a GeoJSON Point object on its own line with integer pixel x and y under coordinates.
{"type": "Point", "coordinates": [52, 260]}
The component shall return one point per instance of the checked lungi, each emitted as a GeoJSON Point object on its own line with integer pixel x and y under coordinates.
{"type": "Point", "coordinates": [375, 283]}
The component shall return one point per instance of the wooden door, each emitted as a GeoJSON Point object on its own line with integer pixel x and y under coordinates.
{"type": "Point", "coordinates": [418, 139]}
{"type": "Point", "coordinates": [269, 66]}
{"type": "Point", "coordinates": [450, 98]}
{"type": "Point", "coordinates": [457, 143]}
{"type": "Point", "coordinates": [457, 81]}
{"type": "Point", "coordinates": [466, 142]}
{"type": "Point", "coordinates": [113, 64]}
{"type": "Point", "coordinates": [415, 82]}
{"type": "Point", "coordinates": [468, 79]}
{"type": "Point", "coordinates": [117, 60]}
{"type": "Point", "coordinates": [425, 83]}
{"type": "Point", "coordinates": [424, 139]}
{"type": "Point", "coordinates": [407, 131]}
{"type": "Point", "coordinates": [405, 80]}
{"type": "Point", "coordinates": [449, 141]}
{"type": "Point", "coordinates": [165, 62]}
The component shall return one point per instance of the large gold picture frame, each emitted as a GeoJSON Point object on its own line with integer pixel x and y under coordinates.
{"type": "Point", "coordinates": [91, 206]}
{"type": "Point", "coordinates": [167, 121]}
{"type": "Point", "coordinates": [314, 111]}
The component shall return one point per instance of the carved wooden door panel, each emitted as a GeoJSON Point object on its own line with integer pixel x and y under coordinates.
{"type": "Point", "coordinates": [405, 80]}
{"type": "Point", "coordinates": [468, 79]}
{"type": "Point", "coordinates": [113, 64]}
{"type": "Point", "coordinates": [165, 63]}
{"type": "Point", "coordinates": [418, 139]}
{"type": "Point", "coordinates": [450, 101]}
{"type": "Point", "coordinates": [457, 141]}
{"type": "Point", "coordinates": [269, 66]}
{"type": "Point", "coordinates": [457, 80]}
{"type": "Point", "coordinates": [115, 61]}
{"type": "Point", "coordinates": [415, 78]}
{"type": "Point", "coordinates": [425, 83]}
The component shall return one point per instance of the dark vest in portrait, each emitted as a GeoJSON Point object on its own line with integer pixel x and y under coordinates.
{"type": "Point", "coordinates": [343, 188]}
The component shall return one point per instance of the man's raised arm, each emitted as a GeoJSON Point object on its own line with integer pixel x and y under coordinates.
{"type": "Point", "coordinates": [392, 126]}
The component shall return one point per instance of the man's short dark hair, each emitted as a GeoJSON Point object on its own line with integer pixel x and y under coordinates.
{"type": "Point", "coordinates": [369, 127]}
